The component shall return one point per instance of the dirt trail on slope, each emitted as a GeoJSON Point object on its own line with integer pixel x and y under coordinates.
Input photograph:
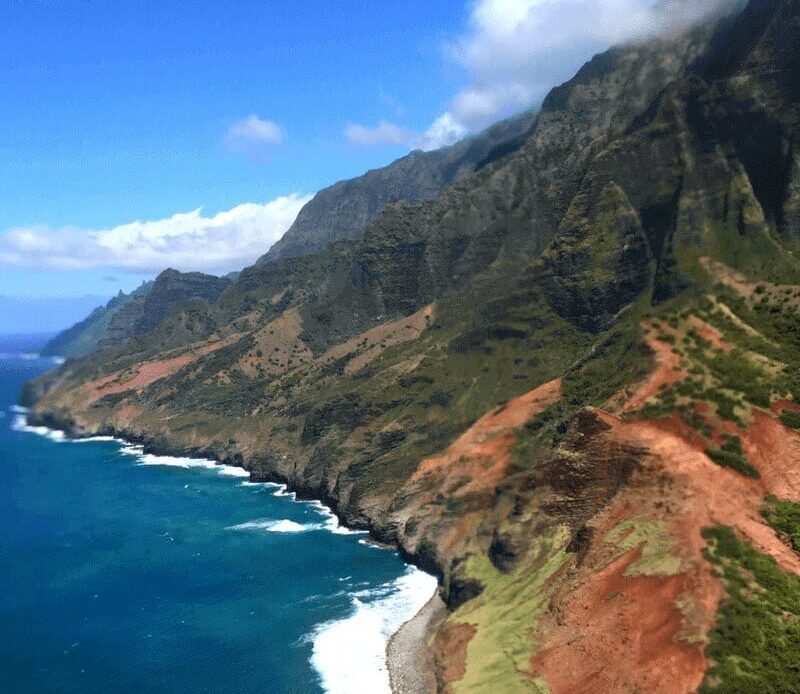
{"type": "Point", "coordinates": [619, 633]}
{"type": "Point", "coordinates": [666, 371]}
{"type": "Point", "coordinates": [710, 334]}
{"type": "Point", "coordinates": [616, 625]}
{"type": "Point", "coordinates": [151, 371]}
{"type": "Point", "coordinates": [613, 627]}
{"type": "Point", "coordinates": [279, 344]}
{"type": "Point", "coordinates": [369, 345]}
{"type": "Point", "coordinates": [729, 277]}
{"type": "Point", "coordinates": [471, 467]}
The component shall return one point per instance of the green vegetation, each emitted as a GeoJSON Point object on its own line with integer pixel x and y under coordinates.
{"type": "Point", "coordinates": [774, 333]}
{"type": "Point", "coordinates": [616, 359]}
{"type": "Point", "coordinates": [726, 405]}
{"type": "Point", "coordinates": [505, 615]}
{"type": "Point", "coordinates": [736, 372]}
{"type": "Point", "coordinates": [760, 367]}
{"type": "Point", "coordinates": [731, 455]}
{"type": "Point", "coordinates": [695, 420]}
{"type": "Point", "coordinates": [659, 408]}
{"type": "Point", "coordinates": [784, 517]}
{"type": "Point", "coordinates": [791, 419]}
{"type": "Point", "coordinates": [755, 254]}
{"type": "Point", "coordinates": [755, 645]}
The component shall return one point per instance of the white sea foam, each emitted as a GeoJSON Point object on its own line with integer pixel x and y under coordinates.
{"type": "Point", "coordinates": [367, 543]}
{"type": "Point", "coordinates": [174, 461]}
{"type": "Point", "coordinates": [20, 423]}
{"type": "Point", "coordinates": [182, 462]}
{"type": "Point", "coordinates": [281, 526]}
{"type": "Point", "coordinates": [282, 490]}
{"type": "Point", "coordinates": [95, 439]}
{"type": "Point", "coordinates": [331, 522]}
{"type": "Point", "coordinates": [185, 462]}
{"type": "Point", "coordinates": [350, 654]}
{"type": "Point", "coordinates": [276, 526]}
{"type": "Point", "coordinates": [233, 471]}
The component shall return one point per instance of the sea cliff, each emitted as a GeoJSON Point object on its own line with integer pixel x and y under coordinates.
{"type": "Point", "coordinates": [567, 384]}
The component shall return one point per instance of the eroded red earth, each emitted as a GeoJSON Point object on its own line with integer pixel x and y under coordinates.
{"type": "Point", "coordinates": [146, 373]}
{"type": "Point", "coordinates": [611, 627]}
{"type": "Point", "coordinates": [481, 456]}
{"type": "Point", "coordinates": [666, 371]}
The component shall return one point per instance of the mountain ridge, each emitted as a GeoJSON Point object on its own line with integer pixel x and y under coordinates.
{"type": "Point", "coordinates": [567, 386]}
{"type": "Point", "coordinates": [414, 177]}
{"type": "Point", "coordinates": [83, 337]}
{"type": "Point", "coordinates": [343, 211]}
{"type": "Point", "coordinates": [135, 313]}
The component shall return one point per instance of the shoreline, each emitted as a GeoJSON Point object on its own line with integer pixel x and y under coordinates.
{"type": "Point", "coordinates": [408, 657]}
{"type": "Point", "coordinates": [408, 660]}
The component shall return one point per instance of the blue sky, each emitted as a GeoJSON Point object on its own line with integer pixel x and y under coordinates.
{"type": "Point", "coordinates": [117, 110]}
{"type": "Point", "coordinates": [140, 135]}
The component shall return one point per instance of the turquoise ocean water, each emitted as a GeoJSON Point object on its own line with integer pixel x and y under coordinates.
{"type": "Point", "coordinates": [122, 572]}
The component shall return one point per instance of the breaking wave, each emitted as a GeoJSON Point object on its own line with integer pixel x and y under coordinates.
{"type": "Point", "coordinates": [350, 654]}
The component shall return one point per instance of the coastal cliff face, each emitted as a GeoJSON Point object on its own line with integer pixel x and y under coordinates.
{"type": "Point", "coordinates": [568, 385]}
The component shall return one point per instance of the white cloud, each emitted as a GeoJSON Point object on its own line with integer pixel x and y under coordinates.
{"type": "Point", "coordinates": [384, 133]}
{"type": "Point", "coordinates": [514, 51]}
{"type": "Point", "coordinates": [186, 241]}
{"type": "Point", "coordinates": [252, 136]}
{"type": "Point", "coordinates": [445, 130]}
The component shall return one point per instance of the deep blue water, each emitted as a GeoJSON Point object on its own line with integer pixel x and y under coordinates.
{"type": "Point", "coordinates": [117, 576]}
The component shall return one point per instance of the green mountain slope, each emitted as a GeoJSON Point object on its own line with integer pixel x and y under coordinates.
{"type": "Point", "coordinates": [567, 385]}
{"type": "Point", "coordinates": [344, 210]}
{"type": "Point", "coordinates": [147, 309]}
{"type": "Point", "coordinates": [83, 337]}
{"type": "Point", "coordinates": [129, 315]}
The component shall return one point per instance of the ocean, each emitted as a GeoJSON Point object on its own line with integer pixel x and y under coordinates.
{"type": "Point", "coordinates": [126, 572]}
